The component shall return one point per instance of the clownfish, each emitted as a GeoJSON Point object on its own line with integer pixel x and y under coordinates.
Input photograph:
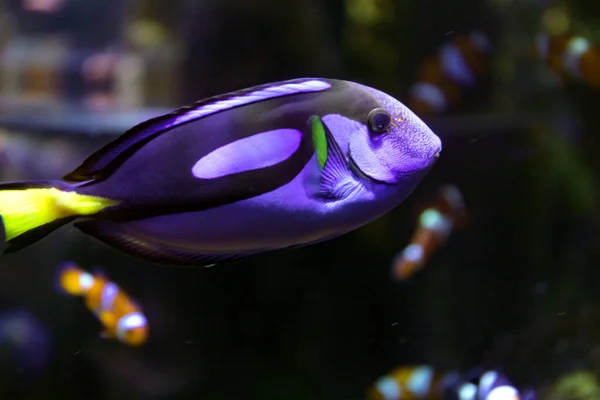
{"type": "Point", "coordinates": [435, 225]}
{"type": "Point", "coordinates": [570, 57]}
{"type": "Point", "coordinates": [491, 385]}
{"type": "Point", "coordinates": [426, 383]}
{"type": "Point", "coordinates": [122, 318]}
{"type": "Point", "coordinates": [270, 167]}
{"type": "Point", "coordinates": [443, 76]}
{"type": "Point", "coordinates": [412, 383]}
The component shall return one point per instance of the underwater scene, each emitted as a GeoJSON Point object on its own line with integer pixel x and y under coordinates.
{"type": "Point", "coordinates": [300, 200]}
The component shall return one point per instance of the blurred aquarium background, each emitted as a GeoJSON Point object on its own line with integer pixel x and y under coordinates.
{"type": "Point", "coordinates": [516, 289]}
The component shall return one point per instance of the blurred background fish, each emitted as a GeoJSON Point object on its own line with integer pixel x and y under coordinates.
{"type": "Point", "coordinates": [435, 224]}
{"type": "Point", "coordinates": [427, 383]}
{"type": "Point", "coordinates": [121, 317]}
{"type": "Point", "coordinates": [24, 343]}
{"type": "Point", "coordinates": [572, 58]}
{"type": "Point", "coordinates": [414, 383]}
{"type": "Point", "coordinates": [491, 385]}
{"type": "Point", "coordinates": [444, 78]}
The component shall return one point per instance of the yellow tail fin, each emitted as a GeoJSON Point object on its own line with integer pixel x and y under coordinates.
{"type": "Point", "coordinates": [24, 208]}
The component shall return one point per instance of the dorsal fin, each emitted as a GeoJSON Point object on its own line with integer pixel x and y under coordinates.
{"type": "Point", "coordinates": [100, 163]}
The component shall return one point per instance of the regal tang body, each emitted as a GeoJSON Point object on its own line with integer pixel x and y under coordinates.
{"type": "Point", "coordinates": [273, 166]}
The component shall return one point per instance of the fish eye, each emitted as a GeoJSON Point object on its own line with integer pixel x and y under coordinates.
{"type": "Point", "coordinates": [379, 120]}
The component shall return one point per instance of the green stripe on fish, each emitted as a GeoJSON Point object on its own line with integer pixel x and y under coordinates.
{"type": "Point", "coordinates": [319, 140]}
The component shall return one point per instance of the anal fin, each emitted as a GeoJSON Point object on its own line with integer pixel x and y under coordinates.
{"type": "Point", "coordinates": [115, 235]}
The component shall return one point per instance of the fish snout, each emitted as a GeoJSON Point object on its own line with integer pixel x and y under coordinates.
{"type": "Point", "coordinates": [436, 153]}
{"type": "Point", "coordinates": [435, 148]}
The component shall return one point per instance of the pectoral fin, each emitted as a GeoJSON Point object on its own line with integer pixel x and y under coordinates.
{"type": "Point", "coordinates": [336, 178]}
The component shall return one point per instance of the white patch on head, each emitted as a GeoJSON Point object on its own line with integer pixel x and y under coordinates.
{"type": "Point", "coordinates": [467, 391]}
{"type": "Point", "coordinates": [250, 153]}
{"type": "Point", "coordinates": [503, 393]}
{"type": "Point", "coordinates": [388, 388]}
{"type": "Point", "coordinates": [354, 136]}
{"type": "Point", "coordinates": [86, 280]}
{"type": "Point", "coordinates": [413, 252]}
{"type": "Point", "coordinates": [435, 221]}
{"type": "Point", "coordinates": [576, 47]}
{"type": "Point", "coordinates": [307, 86]}
{"type": "Point", "coordinates": [129, 322]}
{"type": "Point", "coordinates": [430, 94]}
{"type": "Point", "coordinates": [420, 381]}
{"type": "Point", "coordinates": [455, 66]}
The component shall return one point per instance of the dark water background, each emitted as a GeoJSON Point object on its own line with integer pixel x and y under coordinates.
{"type": "Point", "coordinates": [516, 289]}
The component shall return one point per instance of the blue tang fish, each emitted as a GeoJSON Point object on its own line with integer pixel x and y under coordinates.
{"type": "Point", "coordinates": [270, 167]}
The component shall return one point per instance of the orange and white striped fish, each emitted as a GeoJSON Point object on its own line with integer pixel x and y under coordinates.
{"type": "Point", "coordinates": [122, 318]}
{"type": "Point", "coordinates": [571, 57]}
{"type": "Point", "coordinates": [443, 76]}
{"type": "Point", "coordinates": [420, 382]}
{"type": "Point", "coordinates": [435, 225]}
{"type": "Point", "coordinates": [423, 382]}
